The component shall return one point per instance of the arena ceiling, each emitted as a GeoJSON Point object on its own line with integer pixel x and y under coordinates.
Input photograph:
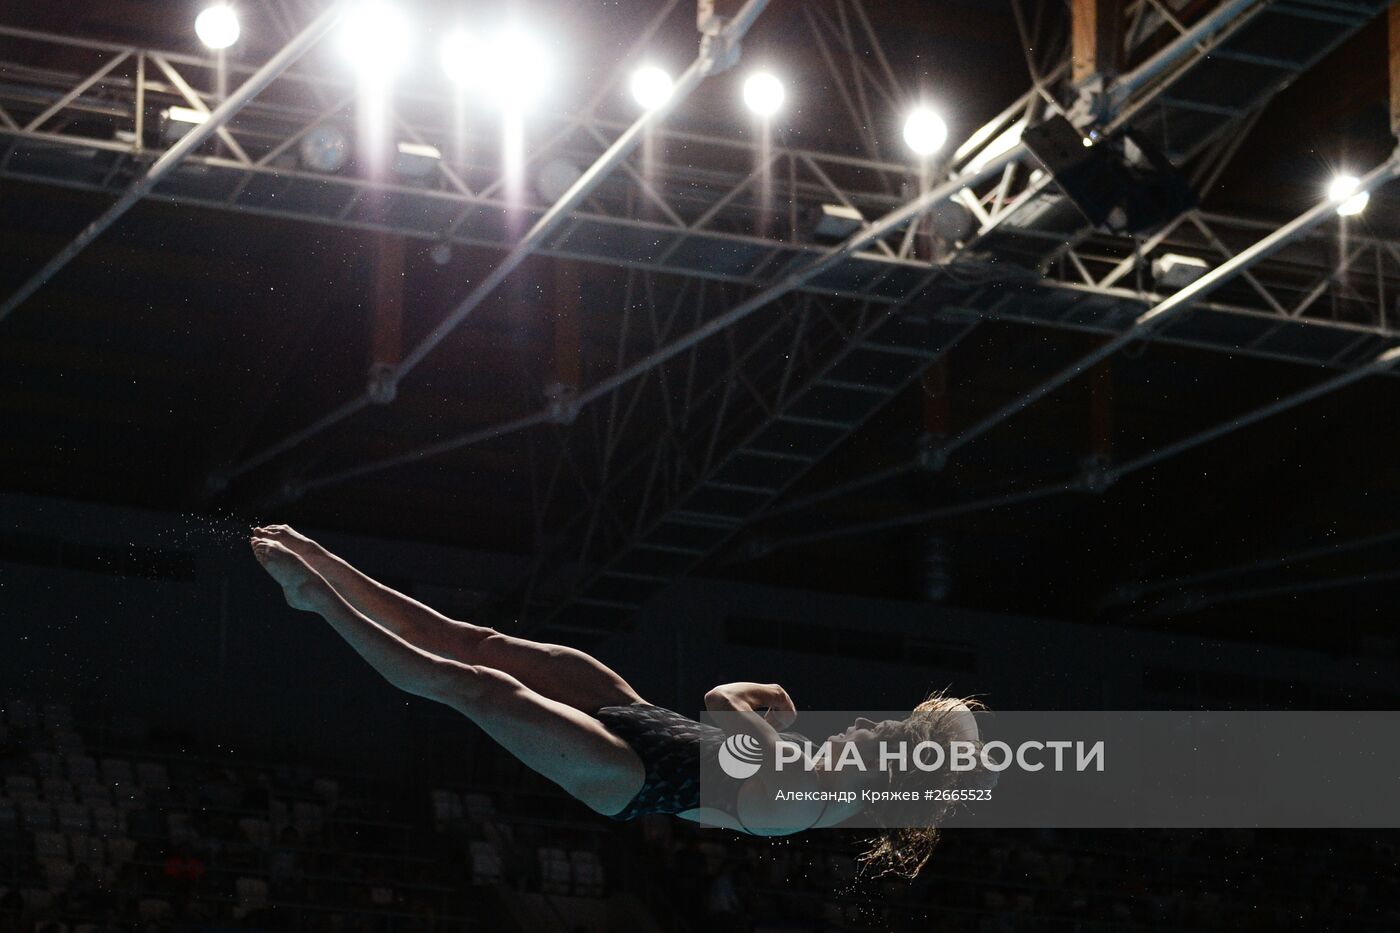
{"type": "Point", "coordinates": [190, 338]}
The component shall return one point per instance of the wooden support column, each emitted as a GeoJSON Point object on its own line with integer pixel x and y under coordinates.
{"type": "Point", "coordinates": [1395, 69]}
{"type": "Point", "coordinates": [938, 408]}
{"type": "Point", "coordinates": [1097, 36]}
{"type": "Point", "coordinates": [386, 325]}
{"type": "Point", "coordinates": [567, 334]}
{"type": "Point", "coordinates": [386, 321]}
{"type": "Point", "coordinates": [1101, 412]}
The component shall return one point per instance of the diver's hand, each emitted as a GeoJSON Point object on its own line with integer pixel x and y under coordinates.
{"type": "Point", "coordinates": [748, 699]}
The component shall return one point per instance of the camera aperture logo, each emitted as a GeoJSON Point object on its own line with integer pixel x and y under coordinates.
{"type": "Point", "coordinates": [741, 756]}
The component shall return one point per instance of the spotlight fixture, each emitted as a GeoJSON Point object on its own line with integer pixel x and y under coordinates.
{"type": "Point", "coordinates": [1342, 191]}
{"type": "Point", "coordinates": [651, 87]}
{"type": "Point", "coordinates": [375, 38]}
{"type": "Point", "coordinates": [925, 131]}
{"type": "Point", "coordinates": [416, 160]}
{"type": "Point", "coordinates": [1121, 184]}
{"type": "Point", "coordinates": [325, 148]}
{"type": "Point", "coordinates": [555, 178]}
{"type": "Point", "coordinates": [1175, 271]}
{"type": "Point", "coordinates": [177, 121]}
{"type": "Point", "coordinates": [763, 93]}
{"type": "Point", "coordinates": [832, 223]}
{"type": "Point", "coordinates": [217, 26]}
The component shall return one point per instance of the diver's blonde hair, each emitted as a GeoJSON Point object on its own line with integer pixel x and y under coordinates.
{"type": "Point", "coordinates": [905, 850]}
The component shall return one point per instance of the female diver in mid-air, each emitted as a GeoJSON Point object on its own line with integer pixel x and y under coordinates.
{"type": "Point", "coordinates": [575, 721]}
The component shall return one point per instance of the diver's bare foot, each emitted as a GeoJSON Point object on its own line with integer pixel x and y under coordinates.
{"type": "Point", "coordinates": [298, 581]}
{"type": "Point", "coordinates": [293, 540]}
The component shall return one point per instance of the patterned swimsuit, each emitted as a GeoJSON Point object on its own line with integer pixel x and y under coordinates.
{"type": "Point", "coordinates": [671, 747]}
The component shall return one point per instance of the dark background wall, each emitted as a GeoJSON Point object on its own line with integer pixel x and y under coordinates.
{"type": "Point", "coordinates": [166, 617]}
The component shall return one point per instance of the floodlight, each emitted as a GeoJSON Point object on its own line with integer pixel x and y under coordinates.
{"type": "Point", "coordinates": [462, 57]}
{"type": "Point", "coordinates": [651, 87]}
{"type": "Point", "coordinates": [1176, 271]}
{"type": "Point", "coordinates": [1343, 192]}
{"type": "Point", "coordinates": [217, 26]}
{"type": "Point", "coordinates": [763, 93]}
{"type": "Point", "coordinates": [835, 222]}
{"type": "Point", "coordinates": [509, 69]}
{"type": "Point", "coordinates": [925, 132]}
{"type": "Point", "coordinates": [375, 39]}
{"type": "Point", "coordinates": [415, 160]}
{"type": "Point", "coordinates": [177, 121]}
{"type": "Point", "coordinates": [516, 70]}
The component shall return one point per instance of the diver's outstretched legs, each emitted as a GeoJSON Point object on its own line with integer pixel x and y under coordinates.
{"type": "Point", "coordinates": [556, 671]}
{"type": "Point", "coordinates": [560, 742]}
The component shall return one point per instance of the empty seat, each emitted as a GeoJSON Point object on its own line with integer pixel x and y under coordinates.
{"type": "Point", "coordinates": [57, 718]}
{"type": "Point", "coordinates": [107, 821]}
{"type": "Point", "coordinates": [308, 817]}
{"type": "Point", "coordinates": [56, 790]}
{"type": "Point", "coordinates": [252, 896]}
{"type": "Point", "coordinates": [486, 862]}
{"type": "Point", "coordinates": [447, 807]}
{"type": "Point", "coordinates": [48, 844]}
{"type": "Point", "coordinates": [36, 816]}
{"type": "Point", "coordinates": [556, 875]}
{"type": "Point", "coordinates": [128, 796]}
{"type": "Point", "coordinates": [279, 812]}
{"type": "Point", "coordinates": [95, 794]}
{"type": "Point", "coordinates": [587, 872]}
{"type": "Point", "coordinates": [73, 818]}
{"type": "Point", "coordinates": [256, 831]}
{"type": "Point", "coordinates": [479, 807]}
{"type": "Point", "coordinates": [68, 743]}
{"type": "Point", "coordinates": [21, 714]}
{"type": "Point", "coordinates": [46, 763]}
{"type": "Point", "coordinates": [151, 908]}
{"type": "Point", "coordinates": [117, 771]}
{"type": "Point", "coordinates": [21, 787]}
{"type": "Point", "coordinates": [152, 775]}
{"type": "Point", "coordinates": [37, 900]}
{"type": "Point", "coordinates": [80, 768]}
{"type": "Point", "coordinates": [120, 850]}
{"type": "Point", "coordinates": [328, 789]}
{"type": "Point", "coordinates": [145, 823]}
{"type": "Point", "coordinates": [85, 849]}
{"type": "Point", "coordinates": [58, 871]}
{"type": "Point", "coordinates": [180, 828]}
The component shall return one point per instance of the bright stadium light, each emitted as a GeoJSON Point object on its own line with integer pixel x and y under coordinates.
{"type": "Point", "coordinates": [651, 87]}
{"type": "Point", "coordinates": [375, 39]}
{"type": "Point", "coordinates": [763, 93]}
{"type": "Point", "coordinates": [925, 132]}
{"type": "Point", "coordinates": [217, 27]}
{"type": "Point", "coordinates": [461, 57]}
{"type": "Point", "coordinates": [1342, 192]}
{"type": "Point", "coordinates": [517, 70]}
